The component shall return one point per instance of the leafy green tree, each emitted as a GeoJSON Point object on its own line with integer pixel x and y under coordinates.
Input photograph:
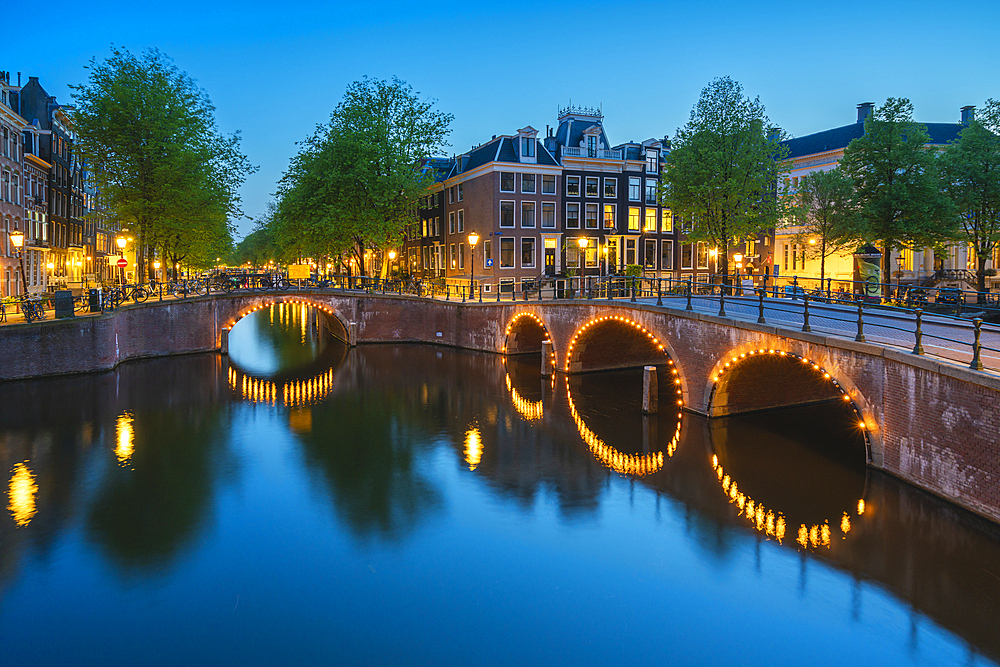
{"type": "Point", "coordinates": [970, 169]}
{"type": "Point", "coordinates": [150, 134]}
{"type": "Point", "coordinates": [355, 183]}
{"type": "Point", "coordinates": [722, 170]}
{"type": "Point", "coordinates": [823, 208]}
{"type": "Point", "coordinates": [896, 190]}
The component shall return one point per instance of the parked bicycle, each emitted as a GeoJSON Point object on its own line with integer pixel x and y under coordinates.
{"type": "Point", "coordinates": [32, 309]}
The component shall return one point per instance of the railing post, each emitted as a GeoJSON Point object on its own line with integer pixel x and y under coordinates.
{"type": "Point", "coordinates": [447, 292]}
{"type": "Point", "coordinates": [633, 289]}
{"type": "Point", "coordinates": [689, 306]}
{"type": "Point", "coordinates": [498, 291]}
{"type": "Point", "coordinates": [977, 363]}
{"type": "Point", "coordinates": [918, 333]}
{"type": "Point", "coordinates": [760, 306]}
{"type": "Point", "coordinates": [463, 294]}
{"type": "Point", "coordinates": [795, 291]}
{"type": "Point", "coordinates": [805, 313]}
{"type": "Point", "coordinates": [722, 300]}
{"type": "Point", "coordinates": [659, 291]}
{"type": "Point", "coordinates": [480, 292]}
{"type": "Point", "coordinates": [861, 324]}
{"type": "Point", "coordinates": [607, 287]}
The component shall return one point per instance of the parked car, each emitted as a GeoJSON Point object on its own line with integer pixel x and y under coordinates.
{"type": "Point", "coordinates": [950, 296]}
{"type": "Point", "coordinates": [793, 291]}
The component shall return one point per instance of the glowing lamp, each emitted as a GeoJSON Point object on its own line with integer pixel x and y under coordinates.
{"type": "Point", "coordinates": [392, 255]}
{"type": "Point", "coordinates": [583, 241]}
{"type": "Point", "coordinates": [17, 238]}
{"type": "Point", "coordinates": [473, 239]}
{"type": "Point", "coordinates": [156, 265]}
{"type": "Point", "coordinates": [122, 242]}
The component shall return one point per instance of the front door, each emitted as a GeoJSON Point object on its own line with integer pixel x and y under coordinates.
{"type": "Point", "coordinates": [550, 261]}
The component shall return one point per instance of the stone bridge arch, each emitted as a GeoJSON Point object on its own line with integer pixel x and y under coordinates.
{"type": "Point", "coordinates": [231, 309]}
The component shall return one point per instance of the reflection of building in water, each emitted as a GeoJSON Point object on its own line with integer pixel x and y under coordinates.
{"type": "Point", "coordinates": [289, 393]}
{"type": "Point", "coordinates": [21, 494]}
{"type": "Point", "coordinates": [620, 462]}
{"type": "Point", "coordinates": [772, 523]}
{"type": "Point", "coordinates": [530, 410]}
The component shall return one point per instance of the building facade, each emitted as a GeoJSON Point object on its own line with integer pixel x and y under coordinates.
{"type": "Point", "coordinates": [11, 186]}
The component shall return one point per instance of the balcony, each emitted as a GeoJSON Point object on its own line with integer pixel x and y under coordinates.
{"type": "Point", "coordinates": [600, 153]}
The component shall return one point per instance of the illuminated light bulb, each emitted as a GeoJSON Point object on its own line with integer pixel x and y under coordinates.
{"type": "Point", "coordinates": [845, 524]}
{"type": "Point", "coordinates": [715, 460]}
{"type": "Point", "coordinates": [803, 537]}
{"type": "Point", "coordinates": [861, 507]}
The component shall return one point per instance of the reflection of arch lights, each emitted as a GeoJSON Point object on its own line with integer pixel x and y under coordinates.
{"type": "Point", "coordinates": [538, 321]}
{"type": "Point", "coordinates": [303, 302]}
{"type": "Point", "coordinates": [473, 447]}
{"type": "Point", "coordinates": [772, 523]}
{"type": "Point", "coordinates": [21, 494]}
{"type": "Point", "coordinates": [625, 464]}
{"type": "Point", "coordinates": [634, 325]}
{"type": "Point", "coordinates": [530, 410]}
{"type": "Point", "coordinates": [723, 366]}
{"type": "Point", "coordinates": [289, 393]}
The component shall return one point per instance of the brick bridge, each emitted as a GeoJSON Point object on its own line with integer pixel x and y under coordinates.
{"type": "Point", "coordinates": [929, 422]}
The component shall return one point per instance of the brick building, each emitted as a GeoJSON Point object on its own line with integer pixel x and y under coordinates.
{"type": "Point", "coordinates": [11, 179]}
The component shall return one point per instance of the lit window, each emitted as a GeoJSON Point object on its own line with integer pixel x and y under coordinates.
{"type": "Point", "coordinates": [609, 216]}
{"type": "Point", "coordinates": [634, 215]}
{"type": "Point", "coordinates": [650, 220]}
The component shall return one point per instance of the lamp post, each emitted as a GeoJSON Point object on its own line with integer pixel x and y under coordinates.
{"type": "Point", "coordinates": [17, 238]}
{"type": "Point", "coordinates": [606, 258]}
{"type": "Point", "coordinates": [583, 242]}
{"type": "Point", "coordinates": [122, 242]}
{"type": "Point", "coordinates": [899, 271]}
{"type": "Point", "coordinates": [473, 240]}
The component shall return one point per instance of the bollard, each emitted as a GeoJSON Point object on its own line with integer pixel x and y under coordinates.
{"type": "Point", "coordinates": [352, 334]}
{"type": "Point", "coordinates": [918, 333]}
{"type": "Point", "coordinates": [977, 363]}
{"type": "Point", "coordinates": [760, 306]}
{"type": "Point", "coordinates": [480, 292]}
{"type": "Point", "coordinates": [689, 306]}
{"type": "Point", "coordinates": [447, 292]}
{"type": "Point", "coordinates": [546, 357]}
{"type": "Point", "coordinates": [224, 342]}
{"type": "Point", "coordinates": [805, 313]}
{"type": "Point", "coordinates": [722, 300]}
{"type": "Point", "coordinates": [463, 293]}
{"type": "Point", "coordinates": [650, 389]}
{"type": "Point", "coordinates": [861, 325]}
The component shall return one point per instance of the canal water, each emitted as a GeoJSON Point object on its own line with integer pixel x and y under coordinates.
{"type": "Point", "coordinates": [304, 503]}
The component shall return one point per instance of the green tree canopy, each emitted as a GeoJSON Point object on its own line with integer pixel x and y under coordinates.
{"type": "Point", "coordinates": [823, 207]}
{"type": "Point", "coordinates": [970, 168]}
{"type": "Point", "coordinates": [355, 182]}
{"type": "Point", "coordinates": [160, 163]}
{"type": "Point", "coordinates": [896, 191]}
{"type": "Point", "coordinates": [723, 168]}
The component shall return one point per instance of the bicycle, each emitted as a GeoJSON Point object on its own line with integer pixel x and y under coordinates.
{"type": "Point", "coordinates": [31, 309]}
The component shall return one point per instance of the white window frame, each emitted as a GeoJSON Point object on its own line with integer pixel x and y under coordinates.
{"type": "Point", "coordinates": [513, 212]}
{"type": "Point", "coordinates": [597, 187]}
{"type": "Point", "coordinates": [573, 179]}
{"type": "Point", "coordinates": [461, 220]}
{"type": "Point", "coordinates": [552, 209]}
{"type": "Point", "coordinates": [577, 225]}
{"type": "Point", "coordinates": [613, 182]}
{"type": "Point", "coordinates": [513, 242]}
{"type": "Point", "coordinates": [513, 181]}
{"type": "Point", "coordinates": [553, 190]}
{"type": "Point", "coordinates": [534, 184]}
{"type": "Point", "coordinates": [534, 210]}
{"type": "Point", "coordinates": [668, 245]}
{"type": "Point", "coordinates": [637, 182]}
{"type": "Point", "coordinates": [652, 160]}
{"type": "Point", "coordinates": [534, 252]}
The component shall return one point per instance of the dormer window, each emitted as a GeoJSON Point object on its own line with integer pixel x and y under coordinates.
{"type": "Point", "coordinates": [591, 146]}
{"type": "Point", "coordinates": [652, 161]}
{"type": "Point", "coordinates": [527, 147]}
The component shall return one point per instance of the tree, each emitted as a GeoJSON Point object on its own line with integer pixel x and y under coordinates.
{"type": "Point", "coordinates": [822, 207]}
{"type": "Point", "coordinates": [149, 132]}
{"type": "Point", "coordinates": [355, 183]}
{"type": "Point", "coordinates": [723, 169]}
{"type": "Point", "coordinates": [896, 192]}
{"type": "Point", "coordinates": [970, 169]}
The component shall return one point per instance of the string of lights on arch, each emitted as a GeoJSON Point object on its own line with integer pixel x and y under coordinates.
{"type": "Point", "coordinates": [538, 321]}
{"type": "Point", "coordinates": [283, 301]}
{"type": "Point", "coordinates": [289, 393]}
{"type": "Point", "coordinates": [635, 325]}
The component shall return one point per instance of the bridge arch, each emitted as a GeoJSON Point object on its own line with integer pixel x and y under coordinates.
{"type": "Point", "coordinates": [337, 324]}
{"type": "Point", "coordinates": [754, 377]}
{"type": "Point", "coordinates": [615, 341]}
{"type": "Point", "coordinates": [525, 334]}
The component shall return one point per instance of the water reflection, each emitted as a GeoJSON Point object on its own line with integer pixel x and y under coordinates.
{"type": "Point", "coordinates": [278, 338]}
{"type": "Point", "coordinates": [21, 493]}
{"type": "Point", "coordinates": [125, 440]}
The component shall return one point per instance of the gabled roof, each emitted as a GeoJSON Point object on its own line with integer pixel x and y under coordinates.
{"type": "Point", "coordinates": [839, 137]}
{"type": "Point", "coordinates": [502, 149]}
{"type": "Point", "coordinates": [570, 131]}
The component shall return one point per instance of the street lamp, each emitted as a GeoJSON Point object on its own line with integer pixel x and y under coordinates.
{"type": "Point", "coordinates": [899, 270]}
{"type": "Point", "coordinates": [606, 258]}
{"type": "Point", "coordinates": [738, 260]}
{"type": "Point", "coordinates": [17, 239]}
{"type": "Point", "coordinates": [473, 240]}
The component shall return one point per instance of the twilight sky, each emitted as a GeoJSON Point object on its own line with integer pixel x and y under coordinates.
{"type": "Point", "coordinates": [274, 70]}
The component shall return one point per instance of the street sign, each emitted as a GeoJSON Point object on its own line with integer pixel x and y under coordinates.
{"type": "Point", "coordinates": [489, 262]}
{"type": "Point", "coordinates": [123, 262]}
{"type": "Point", "coordinates": [298, 272]}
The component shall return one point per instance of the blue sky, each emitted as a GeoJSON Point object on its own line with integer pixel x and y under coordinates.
{"type": "Point", "coordinates": [276, 70]}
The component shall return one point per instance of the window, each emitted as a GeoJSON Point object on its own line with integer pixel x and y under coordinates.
{"type": "Point", "coordinates": [528, 214]}
{"type": "Point", "coordinates": [609, 216]}
{"type": "Point", "coordinates": [687, 224]}
{"type": "Point", "coordinates": [528, 183]}
{"type": "Point", "coordinates": [702, 255]}
{"type": "Point", "coordinates": [437, 225]}
{"type": "Point", "coordinates": [527, 147]}
{"type": "Point", "coordinates": [591, 146]}
{"type": "Point", "coordinates": [426, 258]}
{"type": "Point", "coordinates": [506, 214]}
{"type": "Point", "coordinates": [572, 255]}
{"type": "Point", "coordinates": [572, 186]}
{"type": "Point", "coordinates": [437, 199]}
{"type": "Point", "coordinates": [461, 192]}
{"type": "Point", "coordinates": [506, 181]}
{"type": "Point", "coordinates": [573, 216]}
{"type": "Point", "coordinates": [630, 251]}
{"type": "Point", "coordinates": [527, 253]}
{"type": "Point", "coordinates": [487, 253]}
{"type": "Point", "coordinates": [668, 220]}
{"type": "Point", "coordinates": [451, 222]}
{"type": "Point", "coordinates": [667, 255]}
{"type": "Point", "coordinates": [461, 255]}
{"type": "Point", "coordinates": [454, 258]}
{"type": "Point", "coordinates": [610, 188]}
{"type": "Point", "coordinates": [548, 184]}
{"type": "Point", "coordinates": [451, 195]}
{"type": "Point", "coordinates": [650, 191]}
{"type": "Point", "coordinates": [687, 256]}
{"type": "Point", "coordinates": [784, 264]}
{"type": "Point", "coordinates": [650, 219]}
{"type": "Point", "coordinates": [591, 213]}
{"type": "Point", "coordinates": [633, 218]}
{"type": "Point", "coordinates": [590, 256]}
{"type": "Point", "coordinates": [593, 183]}
{"type": "Point", "coordinates": [652, 161]}
{"type": "Point", "coordinates": [548, 214]}
{"type": "Point", "coordinates": [507, 253]}
{"type": "Point", "coordinates": [461, 221]}
{"type": "Point", "coordinates": [751, 247]}
{"type": "Point", "coordinates": [634, 185]}
{"type": "Point", "coordinates": [649, 259]}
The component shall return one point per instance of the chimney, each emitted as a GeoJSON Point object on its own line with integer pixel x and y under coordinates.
{"type": "Point", "coordinates": [864, 110]}
{"type": "Point", "coordinates": [968, 114]}
{"type": "Point", "coordinates": [18, 79]}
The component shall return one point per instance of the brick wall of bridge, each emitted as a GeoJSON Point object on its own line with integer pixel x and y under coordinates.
{"type": "Point", "coordinates": [933, 424]}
